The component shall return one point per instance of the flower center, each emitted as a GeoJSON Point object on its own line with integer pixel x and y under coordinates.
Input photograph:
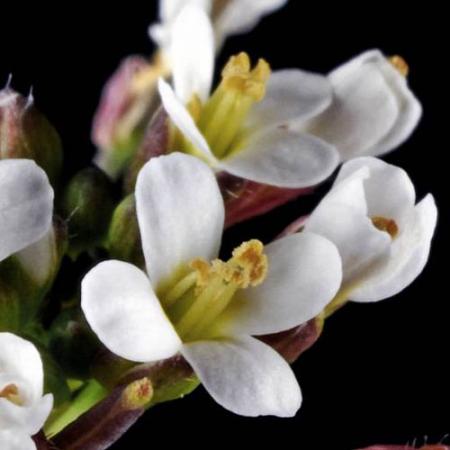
{"type": "Point", "coordinates": [222, 117]}
{"type": "Point", "coordinates": [387, 225]}
{"type": "Point", "coordinates": [11, 393]}
{"type": "Point", "coordinates": [400, 64]}
{"type": "Point", "coordinates": [195, 301]}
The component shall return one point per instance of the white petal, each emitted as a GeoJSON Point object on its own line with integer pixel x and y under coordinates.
{"type": "Point", "coordinates": [122, 309]}
{"type": "Point", "coordinates": [192, 54]}
{"type": "Point", "coordinates": [292, 95]}
{"type": "Point", "coordinates": [389, 191]}
{"type": "Point", "coordinates": [304, 275]}
{"type": "Point", "coordinates": [162, 32]}
{"type": "Point", "coordinates": [170, 9]}
{"type": "Point", "coordinates": [360, 244]}
{"type": "Point", "coordinates": [284, 158]}
{"type": "Point", "coordinates": [409, 254]}
{"type": "Point", "coordinates": [245, 376]}
{"type": "Point", "coordinates": [180, 211]}
{"type": "Point", "coordinates": [20, 359]}
{"type": "Point", "coordinates": [16, 439]}
{"type": "Point", "coordinates": [363, 111]}
{"type": "Point", "coordinates": [410, 109]}
{"type": "Point", "coordinates": [29, 418]}
{"type": "Point", "coordinates": [240, 16]}
{"type": "Point", "coordinates": [183, 120]}
{"type": "Point", "coordinates": [26, 205]}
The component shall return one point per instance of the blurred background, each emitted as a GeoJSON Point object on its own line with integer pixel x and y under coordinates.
{"type": "Point", "coordinates": [379, 372]}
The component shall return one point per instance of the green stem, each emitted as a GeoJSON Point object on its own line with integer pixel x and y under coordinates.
{"type": "Point", "coordinates": [89, 396]}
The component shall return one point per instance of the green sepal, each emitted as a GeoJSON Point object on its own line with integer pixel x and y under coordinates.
{"type": "Point", "coordinates": [87, 204]}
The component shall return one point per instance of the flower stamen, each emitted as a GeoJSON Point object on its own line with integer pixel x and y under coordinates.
{"type": "Point", "coordinates": [387, 225]}
{"type": "Point", "coordinates": [11, 393]}
{"type": "Point", "coordinates": [216, 283]}
{"type": "Point", "coordinates": [400, 64]}
{"type": "Point", "coordinates": [224, 114]}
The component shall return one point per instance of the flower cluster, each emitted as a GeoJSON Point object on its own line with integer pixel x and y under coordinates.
{"type": "Point", "coordinates": [158, 307]}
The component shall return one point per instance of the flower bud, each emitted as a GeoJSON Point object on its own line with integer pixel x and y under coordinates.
{"type": "Point", "coordinates": [27, 276]}
{"type": "Point", "coordinates": [41, 260]}
{"type": "Point", "coordinates": [171, 378]}
{"type": "Point", "coordinates": [73, 344]}
{"type": "Point", "coordinates": [292, 343]}
{"type": "Point", "coordinates": [155, 143]}
{"type": "Point", "coordinates": [87, 205]}
{"type": "Point", "coordinates": [245, 199]}
{"type": "Point", "coordinates": [127, 104]}
{"type": "Point", "coordinates": [124, 239]}
{"type": "Point", "coordinates": [10, 312]}
{"type": "Point", "coordinates": [26, 133]}
{"type": "Point", "coordinates": [107, 421]}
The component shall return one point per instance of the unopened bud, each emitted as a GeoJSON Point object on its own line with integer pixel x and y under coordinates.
{"type": "Point", "coordinates": [246, 199]}
{"type": "Point", "coordinates": [26, 277]}
{"type": "Point", "coordinates": [73, 344]}
{"type": "Point", "coordinates": [10, 310]}
{"type": "Point", "coordinates": [41, 260]}
{"type": "Point", "coordinates": [124, 239]}
{"type": "Point", "coordinates": [87, 205]}
{"type": "Point", "coordinates": [154, 143]}
{"type": "Point", "coordinates": [292, 343]}
{"type": "Point", "coordinates": [26, 133]}
{"type": "Point", "coordinates": [107, 421]}
{"type": "Point", "coordinates": [126, 106]}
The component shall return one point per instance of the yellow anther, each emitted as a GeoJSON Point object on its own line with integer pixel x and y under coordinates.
{"type": "Point", "coordinates": [400, 64]}
{"type": "Point", "coordinates": [387, 225]}
{"type": "Point", "coordinates": [11, 393]}
{"type": "Point", "coordinates": [247, 267]}
{"type": "Point", "coordinates": [237, 75]}
{"type": "Point", "coordinates": [251, 262]}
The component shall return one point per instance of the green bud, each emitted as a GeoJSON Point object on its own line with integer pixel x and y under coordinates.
{"type": "Point", "coordinates": [73, 344]}
{"type": "Point", "coordinates": [27, 276]}
{"type": "Point", "coordinates": [10, 311]}
{"type": "Point", "coordinates": [42, 260]}
{"type": "Point", "coordinates": [26, 133]}
{"type": "Point", "coordinates": [124, 240]}
{"type": "Point", "coordinates": [87, 204]}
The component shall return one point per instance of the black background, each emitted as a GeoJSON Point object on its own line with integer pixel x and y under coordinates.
{"type": "Point", "coordinates": [379, 372]}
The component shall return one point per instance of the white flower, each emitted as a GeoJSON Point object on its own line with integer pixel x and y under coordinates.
{"type": "Point", "coordinates": [373, 110]}
{"type": "Point", "coordinates": [26, 205]}
{"type": "Point", "coordinates": [383, 237]}
{"type": "Point", "coordinates": [23, 408]}
{"type": "Point", "coordinates": [244, 127]}
{"type": "Point", "coordinates": [229, 17]}
{"type": "Point", "coordinates": [203, 307]}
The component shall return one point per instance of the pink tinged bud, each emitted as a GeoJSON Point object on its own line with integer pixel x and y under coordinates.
{"type": "Point", "coordinates": [106, 422]}
{"type": "Point", "coordinates": [26, 133]}
{"type": "Point", "coordinates": [126, 105]}
{"type": "Point", "coordinates": [246, 199]}
{"type": "Point", "coordinates": [292, 343]}
{"type": "Point", "coordinates": [155, 143]}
